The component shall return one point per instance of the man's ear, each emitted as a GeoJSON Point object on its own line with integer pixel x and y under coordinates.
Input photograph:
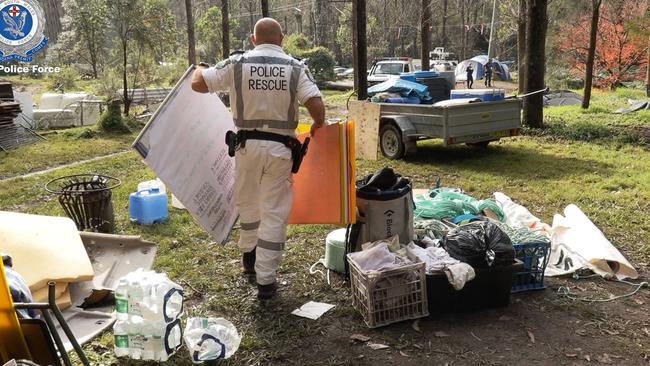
{"type": "Point", "coordinates": [253, 39]}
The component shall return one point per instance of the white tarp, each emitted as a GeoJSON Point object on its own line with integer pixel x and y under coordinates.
{"type": "Point", "coordinates": [577, 243]}
{"type": "Point", "coordinates": [184, 143]}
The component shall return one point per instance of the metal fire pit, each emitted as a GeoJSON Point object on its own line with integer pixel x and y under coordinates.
{"type": "Point", "coordinates": [87, 200]}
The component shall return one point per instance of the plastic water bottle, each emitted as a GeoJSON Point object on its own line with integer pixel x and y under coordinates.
{"type": "Point", "coordinates": [136, 345]}
{"type": "Point", "coordinates": [135, 297]}
{"type": "Point", "coordinates": [159, 329]}
{"type": "Point", "coordinates": [148, 351]}
{"type": "Point", "coordinates": [122, 300]}
{"type": "Point", "coordinates": [121, 334]}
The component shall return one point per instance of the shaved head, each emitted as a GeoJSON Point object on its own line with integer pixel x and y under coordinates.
{"type": "Point", "coordinates": [267, 30]}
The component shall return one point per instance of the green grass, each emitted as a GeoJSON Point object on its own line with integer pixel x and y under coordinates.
{"type": "Point", "coordinates": [599, 123]}
{"type": "Point", "coordinates": [612, 186]}
{"type": "Point", "coordinates": [61, 147]}
{"type": "Point", "coordinates": [609, 181]}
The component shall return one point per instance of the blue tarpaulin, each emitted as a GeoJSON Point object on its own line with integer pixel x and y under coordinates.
{"type": "Point", "coordinates": [404, 87]}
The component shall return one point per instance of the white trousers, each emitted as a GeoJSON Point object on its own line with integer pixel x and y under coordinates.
{"type": "Point", "coordinates": [264, 198]}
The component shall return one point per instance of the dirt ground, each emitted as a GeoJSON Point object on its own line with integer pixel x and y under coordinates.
{"type": "Point", "coordinates": [537, 328]}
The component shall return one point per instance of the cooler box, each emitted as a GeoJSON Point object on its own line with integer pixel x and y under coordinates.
{"type": "Point", "coordinates": [486, 95]}
{"type": "Point", "coordinates": [490, 288]}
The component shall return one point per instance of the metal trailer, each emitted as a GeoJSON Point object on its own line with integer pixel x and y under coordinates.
{"type": "Point", "coordinates": [401, 126]}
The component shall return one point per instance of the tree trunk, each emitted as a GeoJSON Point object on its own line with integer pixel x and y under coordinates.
{"type": "Point", "coordinates": [265, 8]}
{"type": "Point", "coordinates": [225, 29]}
{"type": "Point", "coordinates": [191, 45]}
{"type": "Point", "coordinates": [425, 24]}
{"type": "Point", "coordinates": [647, 72]}
{"type": "Point", "coordinates": [125, 80]}
{"type": "Point", "coordinates": [521, 45]}
{"type": "Point", "coordinates": [444, 24]}
{"type": "Point", "coordinates": [359, 34]}
{"type": "Point", "coordinates": [463, 31]}
{"type": "Point", "coordinates": [589, 72]}
{"type": "Point", "coordinates": [535, 43]}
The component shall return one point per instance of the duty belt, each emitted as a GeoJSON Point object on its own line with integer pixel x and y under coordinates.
{"type": "Point", "coordinates": [237, 140]}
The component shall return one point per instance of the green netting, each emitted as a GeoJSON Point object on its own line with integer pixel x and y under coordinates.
{"type": "Point", "coordinates": [451, 202]}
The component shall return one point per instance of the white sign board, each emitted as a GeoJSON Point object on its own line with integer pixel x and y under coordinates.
{"type": "Point", "coordinates": [184, 143]}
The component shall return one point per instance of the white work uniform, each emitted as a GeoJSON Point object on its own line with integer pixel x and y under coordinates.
{"type": "Point", "coordinates": [265, 87]}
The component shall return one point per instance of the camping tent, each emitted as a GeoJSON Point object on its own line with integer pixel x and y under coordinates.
{"type": "Point", "coordinates": [500, 70]}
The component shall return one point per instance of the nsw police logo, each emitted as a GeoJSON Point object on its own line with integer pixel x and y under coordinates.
{"type": "Point", "coordinates": [21, 30]}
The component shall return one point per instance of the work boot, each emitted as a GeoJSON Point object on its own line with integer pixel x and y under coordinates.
{"type": "Point", "coordinates": [249, 263]}
{"type": "Point", "coordinates": [266, 292]}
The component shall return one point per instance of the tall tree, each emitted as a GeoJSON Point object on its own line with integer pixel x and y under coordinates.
{"type": "Point", "coordinates": [265, 9]}
{"type": "Point", "coordinates": [647, 71]}
{"type": "Point", "coordinates": [463, 31]}
{"type": "Point", "coordinates": [425, 31]}
{"type": "Point", "coordinates": [536, 25]}
{"type": "Point", "coordinates": [621, 40]}
{"type": "Point", "coordinates": [444, 24]}
{"type": "Point", "coordinates": [589, 72]}
{"type": "Point", "coordinates": [141, 26]}
{"type": "Point", "coordinates": [225, 29]}
{"type": "Point", "coordinates": [87, 22]}
{"type": "Point", "coordinates": [191, 44]}
{"type": "Point", "coordinates": [521, 45]}
{"type": "Point", "coordinates": [360, 62]}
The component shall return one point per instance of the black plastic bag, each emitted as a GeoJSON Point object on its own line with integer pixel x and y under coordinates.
{"type": "Point", "coordinates": [480, 244]}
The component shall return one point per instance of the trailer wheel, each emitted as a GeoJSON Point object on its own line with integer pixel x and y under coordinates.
{"type": "Point", "coordinates": [480, 144]}
{"type": "Point", "coordinates": [390, 140]}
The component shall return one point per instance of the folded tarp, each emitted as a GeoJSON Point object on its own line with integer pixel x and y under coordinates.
{"type": "Point", "coordinates": [577, 243]}
{"type": "Point", "coordinates": [404, 87]}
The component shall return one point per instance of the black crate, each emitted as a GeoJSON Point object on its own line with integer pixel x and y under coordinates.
{"type": "Point", "coordinates": [489, 289]}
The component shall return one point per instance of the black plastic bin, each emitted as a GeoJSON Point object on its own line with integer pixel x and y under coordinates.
{"type": "Point", "coordinates": [87, 200]}
{"type": "Point", "coordinates": [489, 289]}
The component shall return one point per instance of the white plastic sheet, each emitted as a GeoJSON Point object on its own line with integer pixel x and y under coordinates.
{"type": "Point", "coordinates": [184, 143]}
{"type": "Point", "coordinates": [577, 243]}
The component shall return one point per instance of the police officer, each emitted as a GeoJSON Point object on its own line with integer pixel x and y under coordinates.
{"type": "Point", "coordinates": [265, 86]}
{"type": "Point", "coordinates": [470, 76]}
{"type": "Point", "coordinates": [488, 73]}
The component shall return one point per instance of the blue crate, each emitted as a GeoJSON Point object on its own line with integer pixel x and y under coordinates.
{"type": "Point", "coordinates": [535, 258]}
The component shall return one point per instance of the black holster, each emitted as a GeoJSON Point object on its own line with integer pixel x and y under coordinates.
{"type": "Point", "coordinates": [237, 140]}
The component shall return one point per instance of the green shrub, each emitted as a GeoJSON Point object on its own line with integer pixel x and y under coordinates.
{"type": "Point", "coordinates": [111, 120]}
{"type": "Point", "coordinates": [319, 59]}
{"type": "Point", "coordinates": [64, 80]}
{"type": "Point", "coordinates": [295, 44]}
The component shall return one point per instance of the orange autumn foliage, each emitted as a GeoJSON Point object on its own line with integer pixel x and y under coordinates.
{"type": "Point", "coordinates": [620, 52]}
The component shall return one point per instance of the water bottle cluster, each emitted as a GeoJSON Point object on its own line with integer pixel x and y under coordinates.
{"type": "Point", "coordinates": [148, 307]}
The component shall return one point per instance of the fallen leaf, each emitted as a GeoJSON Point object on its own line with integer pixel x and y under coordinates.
{"type": "Point", "coordinates": [440, 334]}
{"type": "Point", "coordinates": [571, 355]}
{"type": "Point", "coordinates": [377, 346]}
{"type": "Point", "coordinates": [417, 346]}
{"type": "Point", "coordinates": [416, 325]}
{"type": "Point", "coordinates": [638, 302]}
{"type": "Point", "coordinates": [587, 357]}
{"type": "Point", "coordinates": [581, 332]}
{"type": "Point", "coordinates": [504, 318]}
{"type": "Point", "coordinates": [531, 336]}
{"type": "Point", "coordinates": [403, 354]}
{"type": "Point", "coordinates": [233, 261]}
{"type": "Point", "coordinates": [360, 338]}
